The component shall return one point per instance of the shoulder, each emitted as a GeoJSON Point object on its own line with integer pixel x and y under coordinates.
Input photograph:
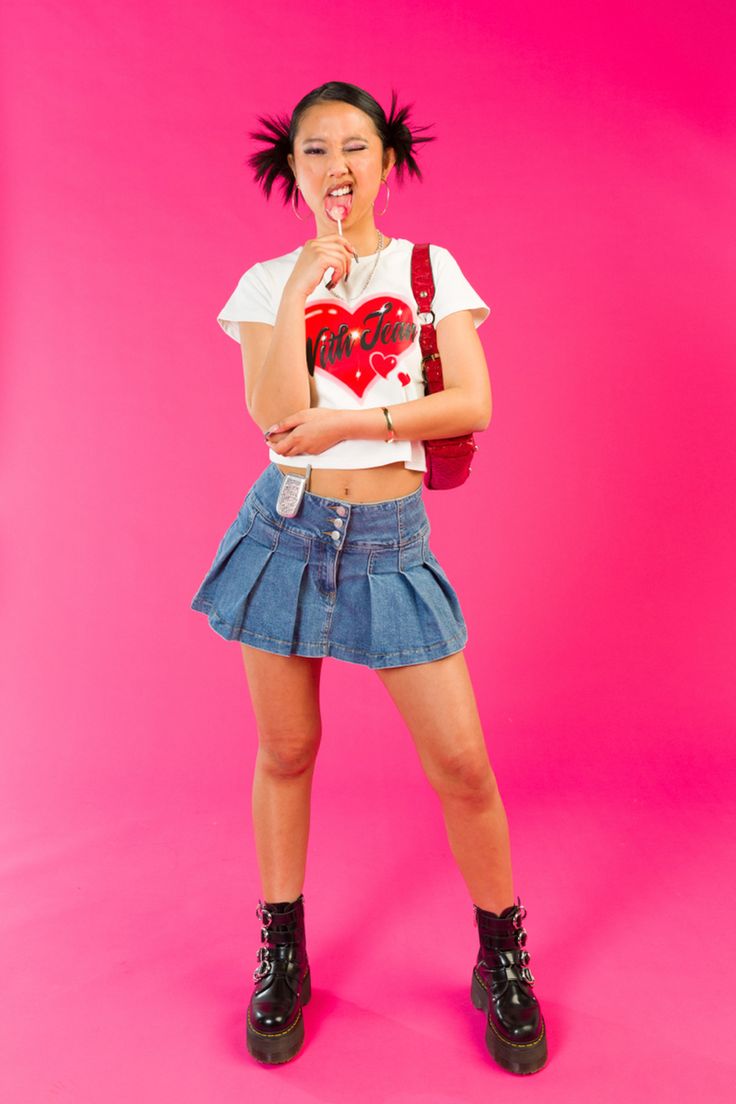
{"type": "Point", "coordinates": [445, 263]}
{"type": "Point", "coordinates": [438, 254]}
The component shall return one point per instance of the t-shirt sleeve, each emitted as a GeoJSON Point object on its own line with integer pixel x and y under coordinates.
{"type": "Point", "coordinates": [252, 301]}
{"type": "Point", "coordinates": [452, 291]}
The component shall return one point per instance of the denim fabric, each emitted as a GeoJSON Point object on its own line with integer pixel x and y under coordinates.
{"type": "Point", "coordinates": [357, 581]}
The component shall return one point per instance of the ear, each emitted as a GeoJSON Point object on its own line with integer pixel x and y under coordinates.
{"type": "Point", "coordinates": [290, 159]}
{"type": "Point", "coordinates": [389, 160]}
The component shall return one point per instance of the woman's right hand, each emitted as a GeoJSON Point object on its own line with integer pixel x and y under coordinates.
{"type": "Point", "coordinates": [317, 255]}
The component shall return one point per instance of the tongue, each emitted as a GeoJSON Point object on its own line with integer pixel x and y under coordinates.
{"type": "Point", "coordinates": [338, 207]}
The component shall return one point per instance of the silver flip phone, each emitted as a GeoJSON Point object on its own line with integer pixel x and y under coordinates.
{"type": "Point", "coordinates": [292, 493]}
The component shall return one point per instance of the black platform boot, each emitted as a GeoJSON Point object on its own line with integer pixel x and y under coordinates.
{"type": "Point", "coordinates": [501, 986]}
{"type": "Point", "coordinates": [283, 983]}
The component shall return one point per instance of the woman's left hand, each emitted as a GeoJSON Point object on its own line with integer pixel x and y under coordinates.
{"type": "Point", "coordinates": [306, 431]}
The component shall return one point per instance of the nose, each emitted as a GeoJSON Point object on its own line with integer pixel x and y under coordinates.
{"type": "Point", "coordinates": [337, 163]}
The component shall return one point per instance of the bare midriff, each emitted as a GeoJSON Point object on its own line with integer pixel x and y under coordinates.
{"type": "Point", "coordinates": [361, 484]}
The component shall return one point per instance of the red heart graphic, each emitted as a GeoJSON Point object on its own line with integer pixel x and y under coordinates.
{"type": "Point", "coordinates": [360, 346]}
{"type": "Point", "coordinates": [382, 364]}
{"type": "Point", "coordinates": [404, 378]}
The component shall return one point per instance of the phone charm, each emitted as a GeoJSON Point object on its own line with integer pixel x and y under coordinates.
{"type": "Point", "coordinates": [292, 493]}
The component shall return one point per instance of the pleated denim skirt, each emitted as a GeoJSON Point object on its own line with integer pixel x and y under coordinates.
{"type": "Point", "coordinates": [357, 581]}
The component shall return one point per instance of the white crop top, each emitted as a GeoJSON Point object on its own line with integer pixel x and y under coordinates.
{"type": "Point", "coordinates": [363, 354]}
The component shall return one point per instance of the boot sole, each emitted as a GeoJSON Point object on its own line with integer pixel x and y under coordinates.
{"type": "Point", "coordinates": [519, 1058]}
{"type": "Point", "coordinates": [276, 1047]}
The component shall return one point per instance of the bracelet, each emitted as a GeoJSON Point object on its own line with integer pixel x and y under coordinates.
{"type": "Point", "coordinates": [389, 423]}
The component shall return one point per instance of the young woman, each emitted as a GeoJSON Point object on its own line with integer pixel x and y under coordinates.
{"type": "Point", "coordinates": [329, 554]}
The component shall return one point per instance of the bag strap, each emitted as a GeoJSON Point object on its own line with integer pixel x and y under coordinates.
{"type": "Point", "coordinates": [422, 285]}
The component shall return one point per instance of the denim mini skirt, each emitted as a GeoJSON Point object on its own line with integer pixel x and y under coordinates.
{"type": "Point", "coordinates": [357, 581]}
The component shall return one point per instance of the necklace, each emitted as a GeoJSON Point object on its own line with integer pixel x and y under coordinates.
{"type": "Point", "coordinates": [352, 298]}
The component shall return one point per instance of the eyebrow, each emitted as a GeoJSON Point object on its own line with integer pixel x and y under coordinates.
{"type": "Point", "coordinates": [351, 138]}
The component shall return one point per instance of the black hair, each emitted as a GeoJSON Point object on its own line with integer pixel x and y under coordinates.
{"type": "Point", "coordinates": [270, 164]}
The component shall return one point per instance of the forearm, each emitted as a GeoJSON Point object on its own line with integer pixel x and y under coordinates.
{"type": "Point", "coordinates": [283, 381]}
{"type": "Point", "coordinates": [447, 413]}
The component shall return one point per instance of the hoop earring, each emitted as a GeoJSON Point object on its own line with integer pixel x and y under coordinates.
{"type": "Point", "coordinates": [293, 205]}
{"type": "Point", "coordinates": [388, 197]}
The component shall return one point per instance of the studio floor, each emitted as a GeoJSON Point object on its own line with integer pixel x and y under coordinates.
{"type": "Point", "coordinates": [131, 941]}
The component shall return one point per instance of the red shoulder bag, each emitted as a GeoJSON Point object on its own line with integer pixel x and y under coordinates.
{"type": "Point", "coordinates": [448, 458]}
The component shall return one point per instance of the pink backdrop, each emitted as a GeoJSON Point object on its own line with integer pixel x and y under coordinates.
{"type": "Point", "coordinates": [583, 177]}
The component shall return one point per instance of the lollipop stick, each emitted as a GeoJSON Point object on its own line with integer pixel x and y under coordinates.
{"type": "Point", "coordinates": [339, 230]}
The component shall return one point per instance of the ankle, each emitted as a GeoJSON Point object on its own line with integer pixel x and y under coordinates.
{"type": "Point", "coordinates": [281, 902]}
{"type": "Point", "coordinates": [492, 908]}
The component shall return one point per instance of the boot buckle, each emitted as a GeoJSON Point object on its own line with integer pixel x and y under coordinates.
{"type": "Point", "coordinates": [264, 964]}
{"type": "Point", "coordinates": [523, 967]}
{"type": "Point", "coordinates": [263, 914]}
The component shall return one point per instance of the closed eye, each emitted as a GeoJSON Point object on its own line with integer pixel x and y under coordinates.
{"type": "Point", "coordinates": [350, 149]}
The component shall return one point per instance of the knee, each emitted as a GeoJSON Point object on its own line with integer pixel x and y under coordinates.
{"type": "Point", "coordinates": [466, 776]}
{"type": "Point", "coordinates": [288, 754]}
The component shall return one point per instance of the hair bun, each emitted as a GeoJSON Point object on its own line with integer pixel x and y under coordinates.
{"type": "Point", "coordinates": [272, 164]}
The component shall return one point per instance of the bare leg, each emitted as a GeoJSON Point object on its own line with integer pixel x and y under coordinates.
{"type": "Point", "coordinates": [437, 703]}
{"type": "Point", "coordinates": [284, 692]}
